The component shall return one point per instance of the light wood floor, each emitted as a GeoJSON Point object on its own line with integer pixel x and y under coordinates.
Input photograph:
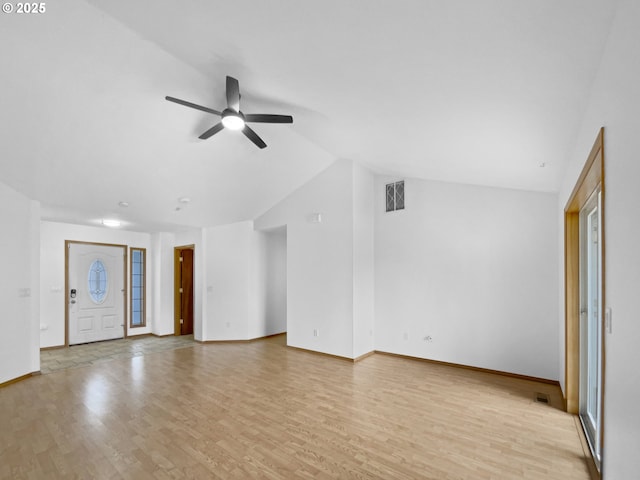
{"type": "Point", "coordinates": [262, 410]}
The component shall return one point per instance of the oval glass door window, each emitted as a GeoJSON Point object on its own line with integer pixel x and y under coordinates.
{"type": "Point", "coordinates": [98, 281]}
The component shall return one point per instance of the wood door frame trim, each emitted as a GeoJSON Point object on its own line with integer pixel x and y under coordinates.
{"type": "Point", "coordinates": [67, 244]}
{"type": "Point", "coordinates": [590, 180]}
{"type": "Point", "coordinates": [176, 288]}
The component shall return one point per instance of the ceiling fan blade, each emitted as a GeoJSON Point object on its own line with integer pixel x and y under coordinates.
{"type": "Point", "coordinates": [233, 94]}
{"type": "Point", "coordinates": [266, 118]}
{"type": "Point", "coordinates": [193, 105]}
{"type": "Point", "coordinates": [253, 136]}
{"type": "Point", "coordinates": [212, 131]}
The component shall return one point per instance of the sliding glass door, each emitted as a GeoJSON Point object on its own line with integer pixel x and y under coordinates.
{"type": "Point", "coordinates": [590, 323]}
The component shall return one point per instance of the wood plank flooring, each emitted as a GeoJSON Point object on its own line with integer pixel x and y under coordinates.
{"type": "Point", "coordinates": [262, 410]}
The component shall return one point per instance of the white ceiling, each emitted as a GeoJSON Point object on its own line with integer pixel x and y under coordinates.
{"type": "Point", "coordinates": [472, 91]}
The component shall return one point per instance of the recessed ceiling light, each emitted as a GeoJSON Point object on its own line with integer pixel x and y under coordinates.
{"type": "Point", "coordinates": [542, 165]}
{"type": "Point", "coordinates": [111, 223]}
{"type": "Point", "coordinates": [123, 204]}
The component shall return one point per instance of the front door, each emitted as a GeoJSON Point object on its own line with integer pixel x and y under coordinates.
{"type": "Point", "coordinates": [96, 292]}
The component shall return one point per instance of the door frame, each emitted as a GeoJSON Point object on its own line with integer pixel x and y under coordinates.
{"type": "Point", "coordinates": [590, 180]}
{"type": "Point", "coordinates": [176, 287]}
{"type": "Point", "coordinates": [67, 245]}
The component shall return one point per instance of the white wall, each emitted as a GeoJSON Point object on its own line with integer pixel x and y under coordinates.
{"type": "Point", "coordinates": [227, 263]}
{"type": "Point", "coordinates": [614, 104]}
{"type": "Point", "coordinates": [161, 262]}
{"type": "Point", "coordinates": [473, 267]}
{"type": "Point", "coordinates": [363, 261]}
{"type": "Point", "coordinates": [52, 289]}
{"type": "Point", "coordinates": [319, 260]}
{"type": "Point", "coordinates": [34, 280]}
{"type": "Point", "coordinates": [19, 286]}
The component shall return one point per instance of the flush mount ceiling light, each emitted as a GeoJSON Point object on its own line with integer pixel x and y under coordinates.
{"type": "Point", "coordinates": [123, 204]}
{"type": "Point", "coordinates": [111, 223]}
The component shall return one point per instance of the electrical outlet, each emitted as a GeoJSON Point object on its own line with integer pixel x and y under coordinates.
{"type": "Point", "coordinates": [316, 332]}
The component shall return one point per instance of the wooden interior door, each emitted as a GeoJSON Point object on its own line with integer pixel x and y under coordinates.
{"type": "Point", "coordinates": [184, 290]}
{"type": "Point", "coordinates": [186, 309]}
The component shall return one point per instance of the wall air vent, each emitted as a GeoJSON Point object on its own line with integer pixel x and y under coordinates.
{"type": "Point", "coordinates": [394, 196]}
{"type": "Point", "coordinates": [542, 398]}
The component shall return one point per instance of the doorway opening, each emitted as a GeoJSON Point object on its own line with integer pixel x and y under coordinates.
{"type": "Point", "coordinates": [183, 290]}
{"type": "Point", "coordinates": [585, 295]}
{"type": "Point", "coordinates": [274, 281]}
{"type": "Point", "coordinates": [95, 280]}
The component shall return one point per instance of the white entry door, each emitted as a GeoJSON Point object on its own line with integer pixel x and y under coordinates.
{"type": "Point", "coordinates": [96, 295]}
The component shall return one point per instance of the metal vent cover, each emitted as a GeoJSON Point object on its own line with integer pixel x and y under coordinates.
{"type": "Point", "coordinates": [394, 196]}
{"type": "Point", "coordinates": [542, 398]}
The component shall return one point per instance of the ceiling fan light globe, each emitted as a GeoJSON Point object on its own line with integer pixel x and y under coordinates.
{"type": "Point", "coordinates": [233, 122]}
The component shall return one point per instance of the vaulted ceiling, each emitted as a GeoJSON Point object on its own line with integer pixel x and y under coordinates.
{"type": "Point", "coordinates": [481, 92]}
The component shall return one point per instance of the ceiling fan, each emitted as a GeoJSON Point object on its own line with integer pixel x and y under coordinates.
{"type": "Point", "coordinates": [232, 118]}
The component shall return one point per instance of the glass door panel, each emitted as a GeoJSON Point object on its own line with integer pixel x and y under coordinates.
{"type": "Point", "coordinates": [590, 324]}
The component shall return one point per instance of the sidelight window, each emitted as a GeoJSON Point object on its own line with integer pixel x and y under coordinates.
{"type": "Point", "coordinates": [138, 260]}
